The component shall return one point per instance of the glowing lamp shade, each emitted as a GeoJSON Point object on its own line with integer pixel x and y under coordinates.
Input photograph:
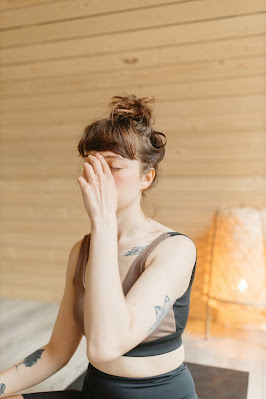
{"type": "Point", "coordinates": [237, 259]}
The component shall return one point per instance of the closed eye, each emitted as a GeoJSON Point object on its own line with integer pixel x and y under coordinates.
{"type": "Point", "coordinates": [110, 166]}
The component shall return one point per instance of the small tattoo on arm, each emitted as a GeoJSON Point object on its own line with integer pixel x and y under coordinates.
{"type": "Point", "coordinates": [30, 360]}
{"type": "Point", "coordinates": [135, 250]}
{"type": "Point", "coordinates": [160, 313]}
{"type": "Point", "coordinates": [2, 388]}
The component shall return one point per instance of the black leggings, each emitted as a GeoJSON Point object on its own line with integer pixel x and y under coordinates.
{"type": "Point", "coordinates": [175, 384]}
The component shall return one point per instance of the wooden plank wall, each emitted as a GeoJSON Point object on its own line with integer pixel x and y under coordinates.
{"type": "Point", "coordinates": [62, 61]}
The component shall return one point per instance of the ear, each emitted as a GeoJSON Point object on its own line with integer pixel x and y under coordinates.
{"type": "Point", "coordinates": [148, 178]}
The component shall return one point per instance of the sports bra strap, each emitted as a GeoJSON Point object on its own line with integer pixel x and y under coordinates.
{"type": "Point", "coordinates": [138, 266]}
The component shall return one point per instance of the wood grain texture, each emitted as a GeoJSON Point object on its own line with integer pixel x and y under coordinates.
{"type": "Point", "coordinates": [62, 61]}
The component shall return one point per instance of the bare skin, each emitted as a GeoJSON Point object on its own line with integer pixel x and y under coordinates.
{"type": "Point", "coordinates": [145, 366]}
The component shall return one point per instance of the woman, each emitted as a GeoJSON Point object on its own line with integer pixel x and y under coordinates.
{"type": "Point", "coordinates": [127, 286]}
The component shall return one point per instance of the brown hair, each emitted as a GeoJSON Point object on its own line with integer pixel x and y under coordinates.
{"type": "Point", "coordinates": [128, 132]}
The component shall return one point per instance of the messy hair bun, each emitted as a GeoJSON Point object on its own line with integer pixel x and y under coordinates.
{"type": "Point", "coordinates": [134, 109]}
{"type": "Point", "coordinates": [127, 131]}
{"type": "Point", "coordinates": [137, 111]}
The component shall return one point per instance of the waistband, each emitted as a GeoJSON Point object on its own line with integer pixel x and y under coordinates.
{"type": "Point", "coordinates": [157, 377]}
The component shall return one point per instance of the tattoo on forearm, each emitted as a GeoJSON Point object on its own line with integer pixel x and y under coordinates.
{"type": "Point", "coordinates": [2, 388]}
{"type": "Point", "coordinates": [160, 313]}
{"type": "Point", "coordinates": [135, 250]}
{"type": "Point", "coordinates": [30, 360]}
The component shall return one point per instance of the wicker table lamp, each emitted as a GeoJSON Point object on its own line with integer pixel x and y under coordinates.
{"type": "Point", "coordinates": [237, 261]}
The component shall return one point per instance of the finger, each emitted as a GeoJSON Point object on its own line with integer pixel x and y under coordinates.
{"type": "Point", "coordinates": [89, 172]}
{"type": "Point", "coordinates": [105, 166]}
{"type": "Point", "coordinates": [96, 165]}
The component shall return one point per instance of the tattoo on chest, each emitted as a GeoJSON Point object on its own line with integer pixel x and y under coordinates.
{"type": "Point", "coordinates": [135, 250]}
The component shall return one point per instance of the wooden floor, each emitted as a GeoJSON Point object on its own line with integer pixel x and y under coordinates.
{"type": "Point", "coordinates": [27, 325]}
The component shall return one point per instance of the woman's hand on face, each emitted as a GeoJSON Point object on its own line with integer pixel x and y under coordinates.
{"type": "Point", "coordinates": [98, 188]}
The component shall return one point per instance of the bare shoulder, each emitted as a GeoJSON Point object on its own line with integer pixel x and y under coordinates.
{"type": "Point", "coordinates": [176, 238]}
{"type": "Point", "coordinates": [177, 245]}
{"type": "Point", "coordinates": [180, 243]}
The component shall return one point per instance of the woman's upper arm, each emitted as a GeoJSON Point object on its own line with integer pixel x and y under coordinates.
{"type": "Point", "coordinates": [150, 298]}
{"type": "Point", "coordinates": [66, 335]}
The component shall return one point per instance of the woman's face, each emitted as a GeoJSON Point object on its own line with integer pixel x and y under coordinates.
{"type": "Point", "coordinates": [126, 173]}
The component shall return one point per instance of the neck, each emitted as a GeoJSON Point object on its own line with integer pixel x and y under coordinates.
{"type": "Point", "coordinates": [130, 221]}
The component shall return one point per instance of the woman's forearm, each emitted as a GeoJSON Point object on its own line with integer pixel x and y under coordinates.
{"type": "Point", "coordinates": [106, 315]}
{"type": "Point", "coordinates": [31, 370]}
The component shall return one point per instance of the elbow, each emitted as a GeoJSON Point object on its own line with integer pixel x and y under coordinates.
{"type": "Point", "coordinates": [100, 355]}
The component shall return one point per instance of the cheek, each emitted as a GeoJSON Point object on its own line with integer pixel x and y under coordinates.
{"type": "Point", "coordinates": [126, 180]}
{"type": "Point", "coordinates": [121, 179]}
